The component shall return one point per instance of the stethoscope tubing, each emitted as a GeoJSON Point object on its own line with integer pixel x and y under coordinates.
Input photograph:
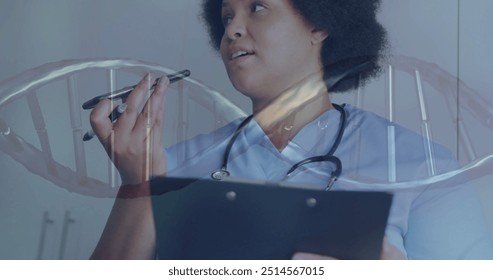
{"type": "Point", "coordinates": [223, 172]}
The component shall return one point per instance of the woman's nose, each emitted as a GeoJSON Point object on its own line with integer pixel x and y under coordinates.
{"type": "Point", "coordinates": [235, 29]}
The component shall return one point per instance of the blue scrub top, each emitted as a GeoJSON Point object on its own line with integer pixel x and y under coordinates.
{"type": "Point", "coordinates": [429, 222]}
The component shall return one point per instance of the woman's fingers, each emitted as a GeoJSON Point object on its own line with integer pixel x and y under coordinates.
{"type": "Point", "coordinates": [310, 256]}
{"type": "Point", "coordinates": [135, 102]}
{"type": "Point", "coordinates": [390, 252]}
{"type": "Point", "coordinates": [100, 123]}
{"type": "Point", "coordinates": [150, 114]}
{"type": "Point", "coordinates": [133, 141]}
{"type": "Point", "coordinates": [158, 111]}
{"type": "Point", "coordinates": [147, 130]}
{"type": "Point", "coordinates": [159, 166]}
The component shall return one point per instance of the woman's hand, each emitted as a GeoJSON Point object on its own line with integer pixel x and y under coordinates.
{"type": "Point", "coordinates": [134, 141]}
{"type": "Point", "coordinates": [389, 252]}
{"type": "Point", "coordinates": [134, 144]}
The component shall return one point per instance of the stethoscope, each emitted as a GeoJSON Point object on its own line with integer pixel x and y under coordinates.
{"type": "Point", "coordinates": [223, 172]}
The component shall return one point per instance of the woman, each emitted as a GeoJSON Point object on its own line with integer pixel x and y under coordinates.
{"type": "Point", "coordinates": [286, 55]}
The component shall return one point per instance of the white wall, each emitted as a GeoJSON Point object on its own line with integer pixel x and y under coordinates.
{"type": "Point", "coordinates": [455, 37]}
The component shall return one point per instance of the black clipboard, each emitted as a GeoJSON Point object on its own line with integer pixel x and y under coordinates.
{"type": "Point", "coordinates": [222, 220]}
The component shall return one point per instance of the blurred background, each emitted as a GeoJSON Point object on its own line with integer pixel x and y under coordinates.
{"type": "Point", "coordinates": [40, 220]}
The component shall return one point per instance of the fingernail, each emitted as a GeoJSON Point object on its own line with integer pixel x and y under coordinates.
{"type": "Point", "coordinates": [298, 256]}
{"type": "Point", "coordinates": [163, 80]}
{"type": "Point", "coordinates": [122, 107]}
{"type": "Point", "coordinates": [151, 77]}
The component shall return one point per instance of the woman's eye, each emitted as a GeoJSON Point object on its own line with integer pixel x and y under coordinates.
{"type": "Point", "coordinates": [226, 20]}
{"type": "Point", "coordinates": [257, 8]}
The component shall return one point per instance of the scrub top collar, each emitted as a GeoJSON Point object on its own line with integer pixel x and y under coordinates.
{"type": "Point", "coordinates": [313, 139]}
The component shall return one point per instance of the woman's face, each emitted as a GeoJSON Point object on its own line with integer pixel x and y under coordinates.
{"type": "Point", "coordinates": [267, 47]}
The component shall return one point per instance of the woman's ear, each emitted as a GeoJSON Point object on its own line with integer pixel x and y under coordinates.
{"type": "Point", "coordinates": [318, 36]}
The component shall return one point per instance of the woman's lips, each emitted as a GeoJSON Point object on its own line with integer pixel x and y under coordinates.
{"type": "Point", "coordinates": [240, 58]}
{"type": "Point", "coordinates": [238, 54]}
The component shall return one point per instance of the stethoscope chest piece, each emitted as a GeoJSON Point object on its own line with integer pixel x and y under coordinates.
{"type": "Point", "coordinates": [220, 174]}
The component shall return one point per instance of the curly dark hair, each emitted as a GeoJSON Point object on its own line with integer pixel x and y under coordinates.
{"type": "Point", "coordinates": [355, 36]}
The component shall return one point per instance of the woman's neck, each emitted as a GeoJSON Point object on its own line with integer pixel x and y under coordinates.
{"type": "Point", "coordinates": [282, 118]}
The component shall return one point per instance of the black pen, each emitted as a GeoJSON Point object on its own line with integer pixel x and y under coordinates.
{"type": "Point", "coordinates": [124, 92]}
{"type": "Point", "coordinates": [118, 111]}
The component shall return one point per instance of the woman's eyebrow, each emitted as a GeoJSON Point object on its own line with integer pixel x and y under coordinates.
{"type": "Point", "coordinates": [225, 6]}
